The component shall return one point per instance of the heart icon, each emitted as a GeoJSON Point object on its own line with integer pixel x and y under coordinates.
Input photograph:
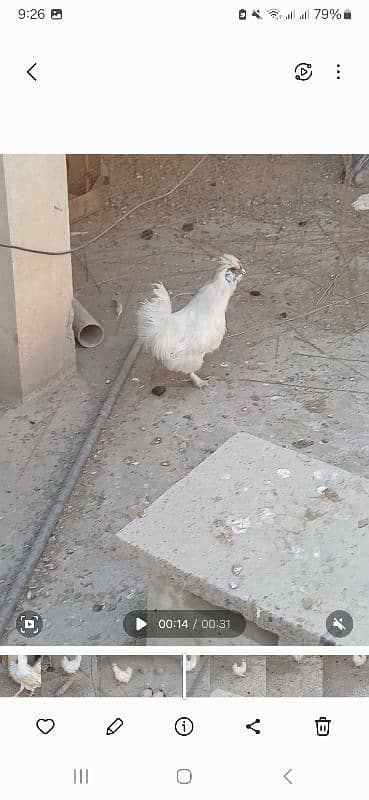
{"type": "Point", "coordinates": [45, 725]}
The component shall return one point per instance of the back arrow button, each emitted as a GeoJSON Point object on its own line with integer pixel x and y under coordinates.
{"type": "Point", "coordinates": [29, 71]}
{"type": "Point", "coordinates": [286, 774]}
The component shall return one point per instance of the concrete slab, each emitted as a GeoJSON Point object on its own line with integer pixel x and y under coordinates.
{"type": "Point", "coordinates": [277, 516]}
{"type": "Point", "coordinates": [287, 678]}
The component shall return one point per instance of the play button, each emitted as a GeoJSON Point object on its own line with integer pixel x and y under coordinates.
{"type": "Point", "coordinates": [135, 623]}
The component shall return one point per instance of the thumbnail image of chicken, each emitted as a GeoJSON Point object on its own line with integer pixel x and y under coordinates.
{"type": "Point", "coordinates": [24, 671]}
{"type": "Point", "coordinates": [139, 676]}
{"type": "Point", "coordinates": [181, 339]}
{"type": "Point", "coordinates": [69, 676]}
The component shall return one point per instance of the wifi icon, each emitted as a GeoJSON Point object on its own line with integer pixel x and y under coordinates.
{"type": "Point", "coordinates": [275, 13]}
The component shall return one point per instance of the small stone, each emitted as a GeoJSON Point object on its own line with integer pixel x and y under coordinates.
{"type": "Point", "coordinates": [188, 226]}
{"type": "Point", "coordinates": [283, 473]}
{"type": "Point", "coordinates": [29, 593]}
{"type": "Point", "coordinates": [330, 494]}
{"type": "Point", "coordinates": [233, 585]}
{"type": "Point", "coordinates": [237, 569]}
{"type": "Point", "coordinates": [255, 293]}
{"type": "Point", "coordinates": [283, 314]}
{"type": "Point", "coordinates": [158, 390]}
{"type": "Point", "coordinates": [303, 222]}
{"type": "Point", "coordinates": [98, 607]}
{"type": "Point", "coordinates": [301, 443]}
{"type": "Point", "coordinates": [363, 523]}
{"type": "Point", "coordinates": [308, 602]}
{"type": "Point", "coordinates": [165, 463]}
{"type": "Point", "coordinates": [148, 233]}
{"type": "Point", "coordinates": [157, 440]}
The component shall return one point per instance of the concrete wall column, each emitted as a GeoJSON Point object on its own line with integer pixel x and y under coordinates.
{"type": "Point", "coordinates": [36, 338]}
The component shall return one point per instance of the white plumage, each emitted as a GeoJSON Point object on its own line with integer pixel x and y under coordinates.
{"type": "Point", "coordinates": [239, 669]}
{"type": "Point", "coordinates": [191, 663]}
{"type": "Point", "coordinates": [71, 665]}
{"type": "Point", "coordinates": [122, 675]}
{"type": "Point", "coordinates": [29, 677]}
{"type": "Point", "coordinates": [180, 339]}
{"type": "Point", "coordinates": [359, 661]}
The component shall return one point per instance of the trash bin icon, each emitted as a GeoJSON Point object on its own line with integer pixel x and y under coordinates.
{"type": "Point", "coordinates": [322, 726]}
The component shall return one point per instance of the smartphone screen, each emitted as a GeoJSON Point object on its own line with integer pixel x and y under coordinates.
{"type": "Point", "coordinates": [184, 485]}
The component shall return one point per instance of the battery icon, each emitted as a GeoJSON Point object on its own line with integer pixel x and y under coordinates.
{"type": "Point", "coordinates": [347, 14]}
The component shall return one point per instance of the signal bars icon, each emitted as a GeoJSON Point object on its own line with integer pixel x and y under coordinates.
{"type": "Point", "coordinates": [305, 15]}
{"type": "Point", "coordinates": [291, 15]}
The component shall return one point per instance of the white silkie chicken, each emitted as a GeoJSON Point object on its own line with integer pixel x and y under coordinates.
{"type": "Point", "coordinates": [29, 677]}
{"type": "Point", "coordinates": [180, 339]}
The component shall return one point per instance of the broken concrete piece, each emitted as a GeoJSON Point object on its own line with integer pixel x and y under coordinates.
{"type": "Point", "coordinates": [309, 547]}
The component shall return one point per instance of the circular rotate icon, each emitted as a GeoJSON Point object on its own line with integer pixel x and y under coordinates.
{"type": "Point", "coordinates": [339, 624]}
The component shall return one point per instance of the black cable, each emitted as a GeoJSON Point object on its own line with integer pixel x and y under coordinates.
{"type": "Point", "coordinates": [110, 227]}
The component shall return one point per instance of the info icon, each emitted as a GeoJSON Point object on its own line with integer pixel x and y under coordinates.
{"type": "Point", "coordinates": [339, 624]}
{"type": "Point", "coordinates": [29, 623]}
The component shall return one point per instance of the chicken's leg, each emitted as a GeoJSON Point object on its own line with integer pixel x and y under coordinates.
{"type": "Point", "coordinates": [199, 382]}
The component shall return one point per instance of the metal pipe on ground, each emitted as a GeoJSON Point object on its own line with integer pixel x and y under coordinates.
{"type": "Point", "coordinates": [42, 537]}
{"type": "Point", "coordinates": [87, 331]}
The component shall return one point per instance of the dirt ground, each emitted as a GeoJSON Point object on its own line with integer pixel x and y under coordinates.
{"type": "Point", "coordinates": [95, 678]}
{"type": "Point", "coordinates": [293, 366]}
{"type": "Point", "coordinates": [278, 676]}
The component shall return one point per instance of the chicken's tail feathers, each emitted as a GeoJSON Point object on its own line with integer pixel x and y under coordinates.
{"type": "Point", "coordinates": [12, 667]}
{"type": "Point", "coordinates": [153, 313]}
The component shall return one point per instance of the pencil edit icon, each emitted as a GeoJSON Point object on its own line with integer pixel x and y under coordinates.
{"type": "Point", "coordinates": [114, 726]}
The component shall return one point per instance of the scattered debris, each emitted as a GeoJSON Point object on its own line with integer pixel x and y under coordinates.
{"type": "Point", "coordinates": [362, 203]}
{"type": "Point", "coordinates": [237, 569]}
{"type": "Point", "coordinates": [239, 669]}
{"type": "Point", "coordinates": [283, 314]}
{"type": "Point", "coordinates": [330, 494]}
{"type": "Point", "coordinates": [98, 607]}
{"type": "Point", "coordinates": [158, 440]}
{"type": "Point", "coordinates": [301, 443]}
{"type": "Point", "coordinates": [303, 223]}
{"type": "Point", "coordinates": [148, 233]}
{"type": "Point", "coordinates": [308, 602]}
{"type": "Point", "coordinates": [188, 226]}
{"type": "Point", "coordinates": [158, 390]}
{"type": "Point", "coordinates": [233, 585]}
{"type": "Point", "coordinates": [363, 523]}
{"type": "Point", "coordinates": [298, 659]}
{"type": "Point", "coordinates": [240, 525]}
{"type": "Point", "coordinates": [283, 473]}
{"type": "Point", "coordinates": [255, 293]}
{"type": "Point", "coordinates": [122, 675]}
